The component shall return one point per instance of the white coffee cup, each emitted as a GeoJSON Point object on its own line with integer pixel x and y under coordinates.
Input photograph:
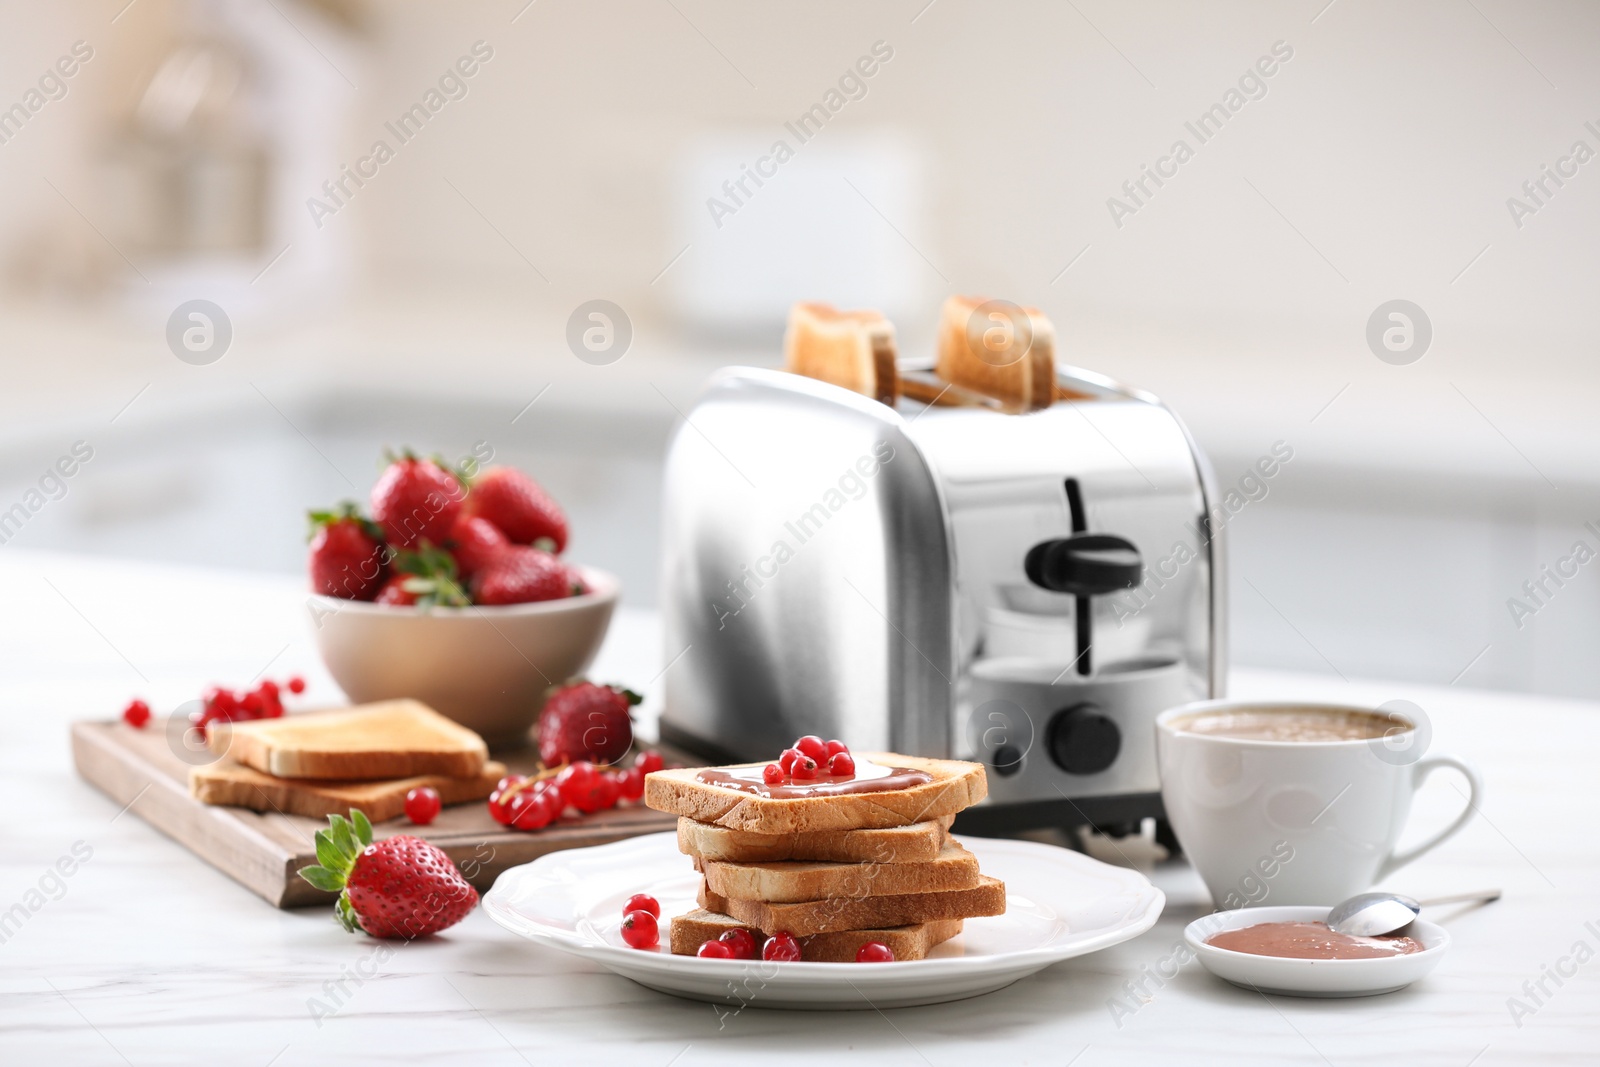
{"type": "Point", "coordinates": [1296, 821]}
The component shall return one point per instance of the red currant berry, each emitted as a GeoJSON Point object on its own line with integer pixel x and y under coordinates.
{"type": "Point", "coordinates": [639, 930]}
{"type": "Point", "coordinates": [297, 685]}
{"type": "Point", "coordinates": [267, 688]}
{"type": "Point", "coordinates": [650, 760]}
{"type": "Point", "coordinates": [874, 952]}
{"type": "Point", "coordinates": [786, 759]}
{"type": "Point", "coordinates": [742, 942]}
{"type": "Point", "coordinates": [632, 784]}
{"type": "Point", "coordinates": [552, 799]}
{"type": "Point", "coordinates": [507, 782]}
{"type": "Point", "coordinates": [772, 774]}
{"type": "Point", "coordinates": [136, 714]}
{"type": "Point", "coordinates": [529, 811]}
{"type": "Point", "coordinates": [781, 946]}
{"type": "Point", "coordinates": [715, 950]}
{"type": "Point", "coordinates": [842, 765]}
{"type": "Point", "coordinates": [643, 902]}
{"type": "Point", "coordinates": [804, 769]}
{"type": "Point", "coordinates": [836, 747]}
{"type": "Point", "coordinates": [607, 790]}
{"type": "Point", "coordinates": [422, 805]}
{"type": "Point", "coordinates": [813, 746]}
{"type": "Point", "coordinates": [576, 780]}
{"type": "Point", "coordinates": [498, 811]}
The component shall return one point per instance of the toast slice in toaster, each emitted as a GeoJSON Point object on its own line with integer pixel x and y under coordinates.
{"type": "Point", "coordinates": [919, 842]}
{"type": "Point", "coordinates": [950, 786]}
{"type": "Point", "coordinates": [689, 932]}
{"type": "Point", "coordinates": [789, 881]}
{"type": "Point", "coordinates": [1011, 358]}
{"type": "Point", "coordinates": [227, 782]}
{"type": "Point", "coordinates": [988, 897]}
{"type": "Point", "coordinates": [389, 739]}
{"type": "Point", "coordinates": [853, 349]}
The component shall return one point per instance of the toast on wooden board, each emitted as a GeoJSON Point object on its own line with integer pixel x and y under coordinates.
{"type": "Point", "coordinates": [1011, 357]}
{"type": "Point", "coordinates": [917, 843]}
{"type": "Point", "coordinates": [853, 349]}
{"type": "Point", "coordinates": [988, 897]}
{"type": "Point", "coordinates": [791, 881]}
{"type": "Point", "coordinates": [689, 932]}
{"type": "Point", "coordinates": [953, 786]}
{"type": "Point", "coordinates": [229, 783]}
{"type": "Point", "coordinates": [389, 739]}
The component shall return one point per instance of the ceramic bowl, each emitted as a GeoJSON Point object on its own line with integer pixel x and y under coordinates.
{"type": "Point", "coordinates": [1311, 978]}
{"type": "Point", "coordinates": [488, 668]}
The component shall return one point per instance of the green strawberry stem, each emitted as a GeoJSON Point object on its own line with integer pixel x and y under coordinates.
{"type": "Point", "coordinates": [338, 848]}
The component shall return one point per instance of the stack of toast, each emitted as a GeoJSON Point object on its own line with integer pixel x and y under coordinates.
{"type": "Point", "coordinates": [325, 763]}
{"type": "Point", "coordinates": [831, 864]}
{"type": "Point", "coordinates": [990, 353]}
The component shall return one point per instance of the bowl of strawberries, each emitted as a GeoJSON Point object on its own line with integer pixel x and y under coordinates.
{"type": "Point", "coordinates": [452, 589]}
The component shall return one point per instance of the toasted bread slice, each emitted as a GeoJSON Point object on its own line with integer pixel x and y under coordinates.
{"type": "Point", "coordinates": [227, 782]}
{"type": "Point", "coordinates": [918, 843]}
{"type": "Point", "coordinates": [955, 785]}
{"type": "Point", "coordinates": [853, 349]}
{"type": "Point", "coordinates": [689, 932]}
{"type": "Point", "coordinates": [996, 355]}
{"type": "Point", "coordinates": [390, 739]}
{"type": "Point", "coordinates": [988, 897]}
{"type": "Point", "coordinates": [790, 881]}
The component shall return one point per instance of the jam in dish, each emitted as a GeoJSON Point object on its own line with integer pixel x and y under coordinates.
{"type": "Point", "coordinates": [869, 777]}
{"type": "Point", "coordinates": [1311, 941]}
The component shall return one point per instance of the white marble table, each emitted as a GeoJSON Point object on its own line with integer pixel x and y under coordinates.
{"type": "Point", "coordinates": [146, 955]}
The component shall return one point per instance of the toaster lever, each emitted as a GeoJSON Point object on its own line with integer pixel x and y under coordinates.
{"type": "Point", "coordinates": [1084, 564]}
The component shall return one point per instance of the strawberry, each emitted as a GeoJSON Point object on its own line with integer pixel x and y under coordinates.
{"type": "Point", "coordinates": [517, 504]}
{"type": "Point", "coordinates": [416, 500]}
{"type": "Point", "coordinates": [399, 887]}
{"type": "Point", "coordinates": [584, 721]}
{"type": "Point", "coordinates": [474, 542]}
{"type": "Point", "coordinates": [519, 575]}
{"type": "Point", "coordinates": [427, 579]}
{"type": "Point", "coordinates": [347, 555]}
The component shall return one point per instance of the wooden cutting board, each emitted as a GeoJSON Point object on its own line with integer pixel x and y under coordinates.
{"type": "Point", "coordinates": [263, 851]}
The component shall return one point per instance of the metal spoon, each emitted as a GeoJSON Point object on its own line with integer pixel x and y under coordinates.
{"type": "Point", "coordinates": [1375, 914]}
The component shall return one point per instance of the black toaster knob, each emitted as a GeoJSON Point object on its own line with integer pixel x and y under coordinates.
{"type": "Point", "coordinates": [1084, 564]}
{"type": "Point", "coordinates": [1083, 741]}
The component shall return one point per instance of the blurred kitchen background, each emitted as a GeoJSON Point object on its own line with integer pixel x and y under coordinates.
{"type": "Point", "coordinates": [426, 302]}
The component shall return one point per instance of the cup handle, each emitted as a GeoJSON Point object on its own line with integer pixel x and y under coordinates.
{"type": "Point", "coordinates": [1419, 774]}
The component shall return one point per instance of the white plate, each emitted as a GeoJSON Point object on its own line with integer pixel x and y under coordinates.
{"type": "Point", "coordinates": [1059, 904]}
{"type": "Point", "coordinates": [1311, 978]}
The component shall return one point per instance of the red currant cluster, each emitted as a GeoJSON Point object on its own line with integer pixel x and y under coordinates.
{"type": "Point", "coordinates": [533, 803]}
{"type": "Point", "coordinates": [807, 758]}
{"type": "Point", "coordinates": [265, 701]}
{"type": "Point", "coordinates": [262, 702]}
{"type": "Point", "coordinates": [641, 921]}
{"type": "Point", "coordinates": [641, 928]}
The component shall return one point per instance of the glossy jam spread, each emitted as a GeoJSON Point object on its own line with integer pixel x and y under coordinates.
{"type": "Point", "coordinates": [869, 778]}
{"type": "Point", "coordinates": [1311, 941]}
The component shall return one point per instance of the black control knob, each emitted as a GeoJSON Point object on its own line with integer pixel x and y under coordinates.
{"type": "Point", "coordinates": [1006, 761]}
{"type": "Point", "coordinates": [1084, 564]}
{"type": "Point", "coordinates": [1083, 741]}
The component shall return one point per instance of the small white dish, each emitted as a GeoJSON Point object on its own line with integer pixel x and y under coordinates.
{"type": "Point", "coordinates": [1060, 904]}
{"type": "Point", "coordinates": [1311, 978]}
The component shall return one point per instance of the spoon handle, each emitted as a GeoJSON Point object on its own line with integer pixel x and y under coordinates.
{"type": "Point", "coordinates": [1483, 895]}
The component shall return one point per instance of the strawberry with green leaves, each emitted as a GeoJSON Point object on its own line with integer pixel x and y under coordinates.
{"type": "Point", "coordinates": [348, 557]}
{"type": "Point", "coordinates": [416, 500]}
{"type": "Point", "coordinates": [398, 887]}
{"type": "Point", "coordinates": [425, 578]}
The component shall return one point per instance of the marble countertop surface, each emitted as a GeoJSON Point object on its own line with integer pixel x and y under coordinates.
{"type": "Point", "coordinates": [144, 954]}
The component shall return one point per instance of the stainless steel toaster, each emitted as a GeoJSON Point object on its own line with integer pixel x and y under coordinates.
{"type": "Point", "coordinates": [1027, 590]}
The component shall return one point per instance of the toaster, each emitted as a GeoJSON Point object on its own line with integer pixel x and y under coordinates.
{"type": "Point", "coordinates": [1025, 590]}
